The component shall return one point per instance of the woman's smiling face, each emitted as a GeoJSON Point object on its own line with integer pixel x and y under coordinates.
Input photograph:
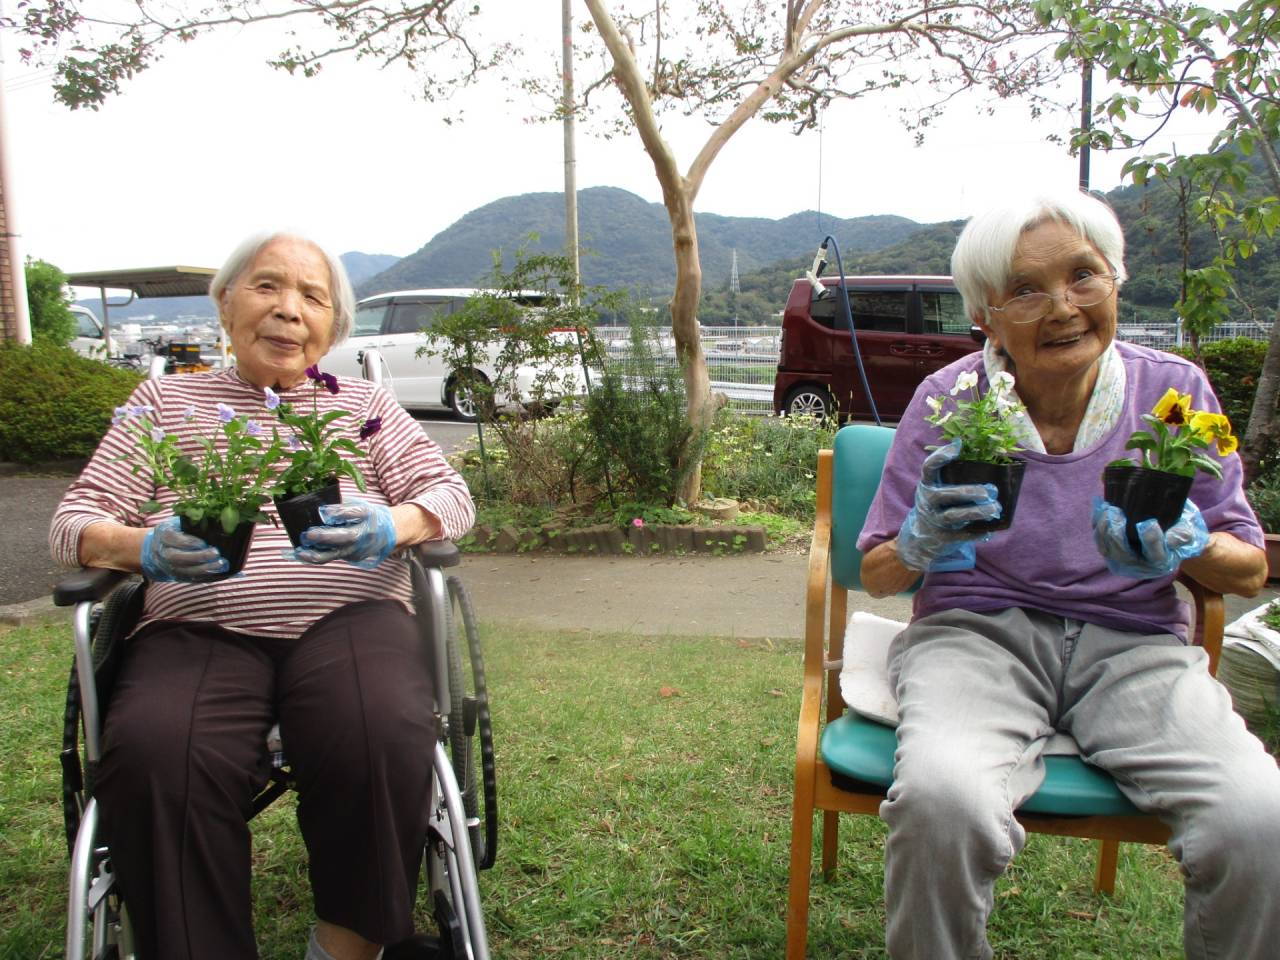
{"type": "Point", "coordinates": [1066, 342]}
{"type": "Point", "coordinates": [278, 313]}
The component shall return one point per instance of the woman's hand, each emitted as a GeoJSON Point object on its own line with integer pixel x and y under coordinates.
{"type": "Point", "coordinates": [1163, 551]}
{"type": "Point", "coordinates": [932, 536]}
{"type": "Point", "coordinates": [362, 533]}
{"type": "Point", "coordinates": [169, 555]}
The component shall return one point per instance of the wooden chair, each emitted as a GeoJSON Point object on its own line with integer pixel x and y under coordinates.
{"type": "Point", "coordinates": [844, 762]}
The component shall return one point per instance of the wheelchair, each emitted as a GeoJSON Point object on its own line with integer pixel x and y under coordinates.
{"type": "Point", "coordinates": [462, 838]}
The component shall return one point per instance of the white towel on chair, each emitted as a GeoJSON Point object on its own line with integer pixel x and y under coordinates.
{"type": "Point", "coordinates": [864, 675]}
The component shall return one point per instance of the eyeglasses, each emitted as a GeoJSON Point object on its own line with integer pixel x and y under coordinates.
{"type": "Point", "coordinates": [1031, 307]}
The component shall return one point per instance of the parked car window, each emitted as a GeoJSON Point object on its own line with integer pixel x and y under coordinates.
{"type": "Point", "coordinates": [368, 319]}
{"type": "Point", "coordinates": [879, 310]}
{"type": "Point", "coordinates": [416, 316]}
{"type": "Point", "coordinates": [88, 325]}
{"type": "Point", "coordinates": [943, 312]}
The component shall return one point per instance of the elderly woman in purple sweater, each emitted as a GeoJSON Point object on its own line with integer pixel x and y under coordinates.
{"type": "Point", "coordinates": [1056, 623]}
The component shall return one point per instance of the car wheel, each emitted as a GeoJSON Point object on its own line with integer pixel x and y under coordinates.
{"type": "Point", "coordinates": [809, 401]}
{"type": "Point", "coordinates": [463, 401]}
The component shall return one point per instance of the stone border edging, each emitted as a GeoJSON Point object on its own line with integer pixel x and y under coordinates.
{"type": "Point", "coordinates": [650, 539]}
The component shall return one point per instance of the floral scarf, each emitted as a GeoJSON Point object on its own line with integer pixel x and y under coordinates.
{"type": "Point", "coordinates": [1099, 417]}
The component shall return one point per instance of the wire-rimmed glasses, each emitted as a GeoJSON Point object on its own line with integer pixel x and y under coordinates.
{"type": "Point", "coordinates": [1030, 307]}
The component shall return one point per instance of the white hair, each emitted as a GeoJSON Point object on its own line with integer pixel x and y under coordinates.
{"type": "Point", "coordinates": [340, 292]}
{"type": "Point", "coordinates": [981, 261]}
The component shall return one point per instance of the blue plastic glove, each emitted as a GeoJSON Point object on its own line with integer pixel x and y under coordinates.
{"type": "Point", "coordinates": [170, 555]}
{"type": "Point", "coordinates": [1162, 550]}
{"type": "Point", "coordinates": [357, 531]}
{"type": "Point", "coordinates": [931, 537]}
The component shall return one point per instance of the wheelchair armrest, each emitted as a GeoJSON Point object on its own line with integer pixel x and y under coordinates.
{"type": "Point", "coordinates": [437, 553]}
{"type": "Point", "coordinates": [87, 583]}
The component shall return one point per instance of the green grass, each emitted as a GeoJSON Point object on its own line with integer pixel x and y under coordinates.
{"type": "Point", "coordinates": [645, 798]}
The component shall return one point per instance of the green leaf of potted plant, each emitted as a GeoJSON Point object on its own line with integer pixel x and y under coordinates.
{"type": "Point", "coordinates": [318, 454]}
{"type": "Point", "coordinates": [986, 426]}
{"type": "Point", "coordinates": [1155, 485]}
{"type": "Point", "coordinates": [219, 494]}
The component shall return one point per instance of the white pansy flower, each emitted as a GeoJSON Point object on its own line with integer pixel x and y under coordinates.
{"type": "Point", "coordinates": [966, 381]}
{"type": "Point", "coordinates": [1002, 383]}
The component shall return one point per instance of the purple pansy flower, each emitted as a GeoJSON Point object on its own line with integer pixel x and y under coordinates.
{"type": "Point", "coordinates": [328, 379]}
{"type": "Point", "coordinates": [119, 414]}
{"type": "Point", "coordinates": [189, 413]}
{"type": "Point", "coordinates": [253, 428]}
{"type": "Point", "coordinates": [370, 427]}
{"type": "Point", "coordinates": [225, 413]}
{"type": "Point", "coordinates": [272, 398]}
{"type": "Point", "coordinates": [294, 443]}
{"type": "Point", "coordinates": [157, 435]}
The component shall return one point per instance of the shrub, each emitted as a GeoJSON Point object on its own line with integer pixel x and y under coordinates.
{"type": "Point", "coordinates": [770, 460]}
{"type": "Point", "coordinates": [1264, 496]}
{"type": "Point", "coordinates": [47, 301]}
{"type": "Point", "coordinates": [1233, 367]}
{"type": "Point", "coordinates": [56, 405]}
{"type": "Point", "coordinates": [641, 429]}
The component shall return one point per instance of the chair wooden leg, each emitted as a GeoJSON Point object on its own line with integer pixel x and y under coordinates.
{"type": "Point", "coordinates": [798, 888]}
{"type": "Point", "coordinates": [830, 840]}
{"type": "Point", "coordinates": [1104, 881]}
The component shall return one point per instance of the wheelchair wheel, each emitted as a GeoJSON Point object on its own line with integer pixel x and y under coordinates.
{"type": "Point", "coordinates": [469, 714]}
{"type": "Point", "coordinates": [107, 627]}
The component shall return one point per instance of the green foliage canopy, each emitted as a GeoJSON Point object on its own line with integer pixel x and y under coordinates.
{"type": "Point", "coordinates": [47, 300]}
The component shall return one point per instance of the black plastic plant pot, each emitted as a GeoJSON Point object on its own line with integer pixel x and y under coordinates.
{"type": "Point", "coordinates": [233, 546]}
{"type": "Point", "coordinates": [302, 510]}
{"type": "Point", "coordinates": [1145, 494]}
{"type": "Point", "coordinates": [1005, 477]}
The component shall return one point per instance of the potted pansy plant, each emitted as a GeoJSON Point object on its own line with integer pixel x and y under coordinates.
{"type": "Point", "coordinates": [221, 492]}
{"type": "Point", "coordinates": [317, 452]}
{"type": "Point", "coordinates": [1170, 453]}
{"type": "Point", "coordinates": [986, 426]}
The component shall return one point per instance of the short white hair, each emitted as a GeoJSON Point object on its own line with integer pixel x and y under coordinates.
{"type": "Point", "coordinates": [982, 260]}
{"type": "Point", "coordinates": [340, 292]}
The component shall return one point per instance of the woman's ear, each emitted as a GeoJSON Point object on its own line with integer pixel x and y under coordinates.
{"type": "Point", "coordinates": [980, 321]}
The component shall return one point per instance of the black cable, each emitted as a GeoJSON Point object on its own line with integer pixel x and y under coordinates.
{"type": "Point", "coordinates": [848, 316]}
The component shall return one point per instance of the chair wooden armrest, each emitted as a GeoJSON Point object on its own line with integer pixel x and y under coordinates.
{"type": "Point", "coordinates": [1210, 619]}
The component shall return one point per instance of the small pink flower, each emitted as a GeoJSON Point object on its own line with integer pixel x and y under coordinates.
{"type": "Point", "coordinates": [637, 522]}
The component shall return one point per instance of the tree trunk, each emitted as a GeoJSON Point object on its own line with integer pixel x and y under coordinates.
{"type": "Point", "coordinates": [685, 327]}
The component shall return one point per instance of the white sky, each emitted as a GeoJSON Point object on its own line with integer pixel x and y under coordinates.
{"type": "Point", "coordinates": [211, 145]}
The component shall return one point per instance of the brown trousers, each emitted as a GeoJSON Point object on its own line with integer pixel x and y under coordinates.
{"type": "Point", "coordinates": [184, 753]}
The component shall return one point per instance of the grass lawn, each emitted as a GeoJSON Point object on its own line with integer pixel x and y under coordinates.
{"type": "Point", "coordinates": [645, 791]}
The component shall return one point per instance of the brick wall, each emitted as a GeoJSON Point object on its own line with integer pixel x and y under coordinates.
{"type": "Point", "coordinates": [8, 313]}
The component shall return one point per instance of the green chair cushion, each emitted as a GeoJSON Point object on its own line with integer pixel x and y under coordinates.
{"type": "Point", "coordinates": [863, 750]}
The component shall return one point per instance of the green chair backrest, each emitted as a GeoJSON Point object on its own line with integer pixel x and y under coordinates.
{"type": "Point", "coordinates": [858, 456]}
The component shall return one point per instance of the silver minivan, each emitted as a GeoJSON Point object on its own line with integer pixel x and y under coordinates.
{"type": "Point", "coordinates": [398, 324]}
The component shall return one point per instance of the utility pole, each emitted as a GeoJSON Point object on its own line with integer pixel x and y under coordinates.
{"type": "Point", "coordinates": [15, 315]}
{"type": "Point", "coordinates": [1086, 120]}
{"type": "Point", "coordinates": [570, 157]}
{"type": "Point", "coordinates": [733, 287]}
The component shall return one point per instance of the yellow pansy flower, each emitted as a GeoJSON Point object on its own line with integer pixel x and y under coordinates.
{"type": "Point", "coordinates": [1173, 407]}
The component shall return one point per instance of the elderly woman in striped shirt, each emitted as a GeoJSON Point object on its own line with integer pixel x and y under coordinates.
{"type": "Point", "coordinates": [329, 649]}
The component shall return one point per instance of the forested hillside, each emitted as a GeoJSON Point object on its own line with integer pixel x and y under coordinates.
{"type": "Point", "coordinates": [626, 241]}
{"type": "Point", "coordinates": [1153, 257]}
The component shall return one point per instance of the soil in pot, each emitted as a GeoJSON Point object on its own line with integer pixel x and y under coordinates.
{"type": "Point", "coordinates": [302, 510]}
{"type": "Point", "coordinates": [233, 546]}
{"type": "Point", "coordinates": [1145, 494]}
{"type": "Point", "coordinates": [1005, 477]}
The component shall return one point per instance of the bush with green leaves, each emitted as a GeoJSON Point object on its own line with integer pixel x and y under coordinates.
{"type": "Point", "coordinates": [644, 444]}
{"type": "Point", "coordinates": [1264, 496]}
{"type": "Point", "coordinates": [772, 461]}
{"type": "Point", "coordinates": [56, 405]}
{"type": "Point", "coordinates": [1233, 367]}
{"type": "Point", "coordinates": [47, 302]}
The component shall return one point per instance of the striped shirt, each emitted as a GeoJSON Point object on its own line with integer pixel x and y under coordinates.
{"type": "Point", "coordinates": [274, 596]}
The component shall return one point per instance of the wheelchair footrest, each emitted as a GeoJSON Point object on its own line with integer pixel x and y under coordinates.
{"type": "Point", "coordinates": [421, 946]}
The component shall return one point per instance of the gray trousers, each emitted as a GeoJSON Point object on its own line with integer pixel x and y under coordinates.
{"type": "Point", "coordinates": [979, 694]}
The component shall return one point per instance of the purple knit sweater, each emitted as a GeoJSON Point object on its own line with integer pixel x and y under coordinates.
{"type": "Point", "coordinates": [1047, 560]}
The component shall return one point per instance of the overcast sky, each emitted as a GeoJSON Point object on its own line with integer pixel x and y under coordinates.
{"type": "Point", "coordinates": [211, 145]}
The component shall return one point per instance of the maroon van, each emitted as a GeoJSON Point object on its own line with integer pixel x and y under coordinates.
{"type": "Point", "coordinates": [907, 328]}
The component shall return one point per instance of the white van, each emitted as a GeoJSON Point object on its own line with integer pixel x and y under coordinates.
{"type": "Point", "coordinates": [89, 339]}
{"type": "Point", "coordinates": [394, 325]}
